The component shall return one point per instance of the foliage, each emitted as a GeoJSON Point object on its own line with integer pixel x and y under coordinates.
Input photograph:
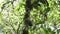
{"type": "Point", "coordinates": [46, 20]}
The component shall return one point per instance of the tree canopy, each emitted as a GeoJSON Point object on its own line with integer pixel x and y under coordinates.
{"type": "Point", "coordinates": [30, 16]}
